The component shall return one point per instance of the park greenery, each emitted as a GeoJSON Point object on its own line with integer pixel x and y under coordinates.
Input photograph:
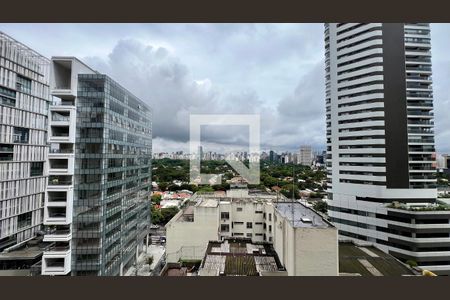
{"type": "Point", "coordinates": [163, 215]}
{"type": "Point", "coordinates": [166, 171]}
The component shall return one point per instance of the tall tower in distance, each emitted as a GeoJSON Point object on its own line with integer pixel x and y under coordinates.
{"type": "Point", "coordinates": [380, 141]}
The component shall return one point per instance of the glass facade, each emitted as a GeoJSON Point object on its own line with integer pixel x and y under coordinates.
{"type": "Point", "coordinates": [112, 177]}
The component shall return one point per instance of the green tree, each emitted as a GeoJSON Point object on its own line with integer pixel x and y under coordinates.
{"type": "Point", "coordinates": [156, 216]}
{"type": "Point", "coordinates": [206, 188]}
{"type": "Point", "coordinates": [321, 206]}
{"type": "Point", "coordinates": [163, 186]}
{"type": "Point", "coordinates": [173, 188]}
{"type": "Point", "coordinates": [168, 213]}
{"type": "Point", "coordinates": [156, 199]}
{"type": "Point", "coordinates": [287, 191]}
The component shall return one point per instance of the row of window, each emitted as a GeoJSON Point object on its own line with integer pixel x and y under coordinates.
{"type": "Point", "coordinates": [11, 152]}
{"type": "Point", "coordinates": [16, 171]}
{"type": "Point", "coordinates": [19, 135]}
{"type": "Point", "coordinates": [19, 188]}
{"type": "Point", "coordinates": [20, 205]}
{"type": "Point", "coordinates": [22, 118]}
{"type": "Point", "coordinates": [10, 226]}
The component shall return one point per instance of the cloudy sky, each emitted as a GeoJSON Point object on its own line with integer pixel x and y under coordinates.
{"type": "Point", "coordinates": [275, 70]}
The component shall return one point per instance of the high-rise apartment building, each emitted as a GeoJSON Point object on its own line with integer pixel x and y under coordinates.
{"type": "Point", "coordinates": [24, 98]}
{"type": "Point", "coordinates": [305, 155]}
{"type": "Point", "coordinates": [97, 207]}
{"type": "Point", "coordinates": [380, 141]}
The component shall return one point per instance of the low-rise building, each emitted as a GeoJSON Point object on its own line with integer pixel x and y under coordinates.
{"type": "Point", "coordinates": [241, 257]}
{"type": "Point", "coordinates": [304, 241]}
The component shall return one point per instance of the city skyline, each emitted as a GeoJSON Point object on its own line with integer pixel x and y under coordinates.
{"type": "Point", "coordinates": [282, 79]}
{"type": "Point", "coordinates": [81, 189]}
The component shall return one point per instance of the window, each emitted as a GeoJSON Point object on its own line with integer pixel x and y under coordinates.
{"type": "Point", "coordinates": [6, 152]}
{"type": "Point", "coordinates": [249, 235]}
{"type": "Point", "coordinates": [270, 238]}
{"type": "Point", "coordinates": [238, 234]}
{"type": "Point", "coordinates": [23, 84]}
{"type": "Point", "coordinates": [58, 163]}
{"type": "Point", "coordinates": [225, 215]}
{"type": "Point", "coordinates": [264, 216]}
{"type": "Point", "coordinates": [21, 135]}
{"type": "Point", "coordinates": [238, 208]}
{"type": "Point", "coordinates": [24, 220]}
{"type": "Point", "coordinates": [7, 97]}
{"type": "Point", "coordinates": [36, 169]}
{"type": "Point", "coordinates": [224, 227]}
{"type": "Point", "coordinates": [258, 223]}
{"type": "Point", "coordinates": [249, 225]}
{"type": "Point", "coordinates": [270, 217]}
{"type": "Point", "coordinates": [270, 228]}
{"type": "Point", "coordinates": [238, 223]}
{"type": "Point", "coordinates": [258, 212]}
{"type": "Point", "coordinates": [258, 234]}
{"type": "Point", "coordinates": [92, 148]}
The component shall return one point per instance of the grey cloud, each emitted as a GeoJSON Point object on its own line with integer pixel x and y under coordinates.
{"type": "Point", "coordinates": [275, 70]}
{"type": "Point", "coordinates": [166, 84]}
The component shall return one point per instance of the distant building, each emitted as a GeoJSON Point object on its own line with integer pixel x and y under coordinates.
{"type": "Point", "coordinates": [305, 243]}
{"type": "Point", "coordinates": [442, 161]}
{"type": "Point", "coordinates": [264, 156]}
{"type": "Point", "coordinates": [305, 156]}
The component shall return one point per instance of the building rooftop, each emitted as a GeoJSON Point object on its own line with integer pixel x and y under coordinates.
{"type": "Point", "coordinates": [421, 207]}
{"type": "Point", "coordinates": [239, 257]}
{"type": "Point", "coordinates": [302, 215]}
{"type": "Point", "coordinates": [23, 253]}
{"type": "Point", "coordinates": [369, 261]}
{"type": "Point", "coordinates": [207, 202]}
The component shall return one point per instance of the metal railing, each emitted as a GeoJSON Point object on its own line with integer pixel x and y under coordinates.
{"type": "Point", "coordinates": [61, 150]}
{"type": "Point", "coordinates": [60, 118]}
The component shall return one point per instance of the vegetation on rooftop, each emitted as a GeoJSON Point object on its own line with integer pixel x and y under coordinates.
{"type": "Point", "coordinates": [163, 215]}
{"type": "Point", "coordinates": [432, 207]}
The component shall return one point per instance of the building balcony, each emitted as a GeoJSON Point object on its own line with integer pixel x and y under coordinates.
{"type": "Point", "coordinates": [56, 261]}
{"type": "Point", "coordinates": [61, 166]}
{"type": "Point", "coordinates": [59, 181]}
{"type": "Point", "coordinates": [58, 152]}
{"type": "Point", "coordinates": [58, 235]}
{"type": "Point", "coordinates": [63, 91]}
{"type": "Point", "coordinates": [57, 215]}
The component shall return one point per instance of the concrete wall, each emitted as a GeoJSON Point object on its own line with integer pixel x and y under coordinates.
{"type": "Point", "coordinates": [306, 251]}
{"type": "Point", "coordinates": [316, 252]}
{"type": "Point", "coordinates": [188, 240]}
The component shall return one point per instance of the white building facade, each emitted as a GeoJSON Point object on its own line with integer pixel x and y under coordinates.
{"type": "Point", "coordinates": [58, 209]}
{"type": "Point", "coordinates": [380, 139]}
{"type": "Point", "coordinates": [24, 98]}
{"type": "Point", "coordinates": [306, 244]}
